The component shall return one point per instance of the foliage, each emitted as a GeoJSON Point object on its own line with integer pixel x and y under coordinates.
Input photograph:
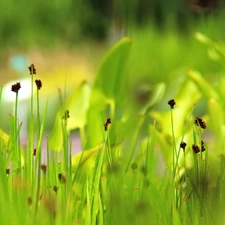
{"type": "Point", "coordinates": [118, 177]}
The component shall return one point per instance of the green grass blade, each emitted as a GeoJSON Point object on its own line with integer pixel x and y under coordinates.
{"type": "Point", "coordinates": [39, 155]}
{"type": "Point", "coordinates": [13, 140]}
{"type": "Point", "coordinates": [97, 175]}
{"type": "Point", "coordinates": [150, 153]}
{"type": "Point", "coordinates": [137, 123]}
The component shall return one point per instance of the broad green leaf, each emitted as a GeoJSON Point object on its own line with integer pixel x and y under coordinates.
{"type": "Point", "coordinates": [95, 122]}
{"type": "Point", "coordinates": [221, 86]}
{"type": "Point", "coordinates": [4, 142]}
{"type": "Point", "coordinates": [98, 100]}
{"type": "Point", "coordinates": [4, 137]}
{"type": "Point", "coordinates": [213, 54]}
{"type": "Point", "coordinates": [88, 158]}
{"type": "Point", "coordinates": [148, 96]}
{"type": "Point", "coordinates": [84, 162]}
{"type": "Point", "coordinates": [7, 143]}
{"type": "Point", "coordinates": [206, 89]}
{"type": "Point", "coordinates": [203, 39]}
{"type": "Point", "coordinates": [110, 78]}
{"type": "Point", "coordinates": [216, 123]}
{"type": "Point", "coordinates": [216, 49]}
{"type": "Point", "coordinates": [216, 116]}
{"type": "Point", "coordinates": [95, 129]}
{"type": "Point", "coordinates": [108, 89]}
{"type": "Point", "coordinates": [77, 104]}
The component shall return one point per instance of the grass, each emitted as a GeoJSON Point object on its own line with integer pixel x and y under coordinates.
{"type": "Point", "coordinates": [119, 177]}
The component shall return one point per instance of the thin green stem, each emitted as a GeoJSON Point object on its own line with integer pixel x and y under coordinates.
{"type": "Point", "coordinates": [70, 164]}
{"type": "Point", "coordinates": [109, 151]}
{"type": "Point", "coordinates": [65, 144]}
{"type": "Point", "coordinates": [19, 149]}
{"type": "Point", "coordinates": [31, 137]}
{"type": "Point", "coordinates": [39, 157]}
{"type": "Point", "coordinates": [48, 156]}
{"type": "Point", "coordinates": [38, 116]}
{"type": "Point", "coordinates": [182, 139]}
{"type": "Point", "coordinates": [31, 100]}
{"type": "Point", "coordinates": [133, 141]}
{"type": "Point", "coordinates": [174, 141]}
{"type": "Point", "coordinates": [16, 122]}
{"type": "Point", "coordinates": [37, 163]}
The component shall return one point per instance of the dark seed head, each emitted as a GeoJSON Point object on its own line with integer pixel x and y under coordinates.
{"type": "Point", "coordinates": [67, 114]}
{"type": "Point", "coordinates": [62, 178]}
{"type": "Point", "coordinates": [7, 171]}
{"type": "Point", "coordinates": [200, 122]}
{"type": "Point", "coordinates": [171, 103]}
{"type": "Point", "coordinates": [43, 167]}
{"type": "Point", "coordinates": [195, 148]}
{"type": "Point", "coordinates": [16, 87]}
{"type": "Point", "coordinates": [29, 201]}
{"type": "Point", "coordinates": [55, 189]}
{"type": "Point", "coordinates": [38, 84]}
{"type": "Point", "coordinates": [144, 170]}
{"type": "Point", "coordinates": [202, 146]}
{"type": "Point", "coordinates": [134, 166]}
{"type": "Point", "coordinates": [183, 145]}
{"type": "Point", "coordinates": [32, 69]}
{"type": "Point", "coordinates": [147, 182]}
{"type": "Point", "coordinates": [106, 126]}
{"type": "Point", "coordinates": [108, 121]}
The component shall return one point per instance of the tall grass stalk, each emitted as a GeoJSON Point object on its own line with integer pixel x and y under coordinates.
{"type": "Point", "coordinates": [31, 170]}
{"type": "Point", "coordinates": [175, 156]}
{"type": "Point", "coordinates": [39, 157]}
{"type": "Point", "coordinates": [38, 114]}
{"type": "Point", "coordinates": [16, 122]}
{"type": "Point", "coordinates": [96, 179]}
{"type": "Point", "coordinates": [65, 143]}
{"type": "Point", "coordinates": [133, 142]}
{"type": "Point", "coordinates": [181, 141]}
{"type": "Point", "coordinates": [150, 152]}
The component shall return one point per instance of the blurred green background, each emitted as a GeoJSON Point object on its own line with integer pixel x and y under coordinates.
{"type": "Point", "coordinates": [67, 39]}
{"type": "Point", "coordinates": [90, 26]}
{"type": "Point", "coordinates": [55, 24]}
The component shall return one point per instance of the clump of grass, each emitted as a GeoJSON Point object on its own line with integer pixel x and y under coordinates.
{"type": "Point", "coordinates": [44, 192]}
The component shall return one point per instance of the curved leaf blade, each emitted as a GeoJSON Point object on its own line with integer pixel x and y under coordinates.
{"type": "Point", "coordinates": [110, 77]}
